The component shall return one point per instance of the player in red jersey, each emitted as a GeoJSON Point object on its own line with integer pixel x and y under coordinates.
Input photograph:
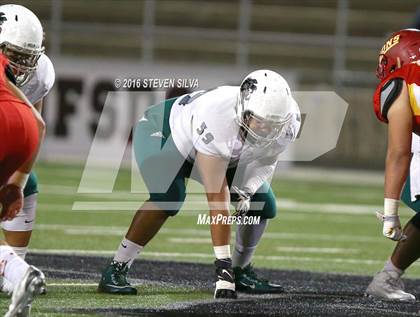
{"type": "Point", "coordinates": [397, 102]}
{"type": "Point", "coordinates": [21, 132]}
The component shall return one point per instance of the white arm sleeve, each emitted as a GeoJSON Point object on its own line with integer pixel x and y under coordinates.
{"type": "Point", "coordinates": [256, 174]}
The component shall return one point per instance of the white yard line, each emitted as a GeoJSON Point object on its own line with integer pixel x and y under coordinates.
{"type": "Point", "coordinates": [96, 284]}
{"type": "Point", "coordinates": [298, 212]}
{"type": "Point", "coordinates": [282, 204]}
{"type": "Point", "coordinates": [317, 250]}
{"type": "Point", "coordinates": [64, 190]}
{"type": "Point", "coordinates": [57, 189]}
{"type": "Point", "coordinates": [66, 208]}
{"type": "Point", "coordinates": [106, 205]}
{"type": "Point", "coordinates": [172, 255]}
{"type": "Point", "coordinates": [112, 230]}
{"type": "Point", "coordinates": [331, 175]}
{"type": "Point", "coordinates": [71, 252]}
{"type": "Point", "coordinates": [195, 206]}
{"type": "Point", "coordinates": [190, 240]}
{"type": "Point", "coordinates": [280, 249]}
{"type": "Point", "coordinates": [307, 174]}
{"type": "Point", "coordinates": [72, 284]}
{"type": "Point", "coordinates": [126, 201]}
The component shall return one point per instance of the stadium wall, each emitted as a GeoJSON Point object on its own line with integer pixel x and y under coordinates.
{"type": "Point", "coordinates": [76, 102]}
{"type": "Point", "coordinates": [75, 106]}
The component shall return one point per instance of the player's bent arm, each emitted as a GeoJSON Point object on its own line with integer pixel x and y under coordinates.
{"type": "Point", "coordinates": [19, 178]}
{"type": "Point", "coordinates": [254, 176]}
{"type": "Point", "coordinates": [11, 195]}
{"type": "Point", "coordinates": [212, 171]}
{"type": "Point", "coordinates": [256, 173]}
{"type": "Point", "coordinates": [400, 128]}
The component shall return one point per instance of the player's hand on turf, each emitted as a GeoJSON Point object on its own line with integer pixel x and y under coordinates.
{"type": "Point", "coordinates": [392, 227]}
{"type": "Point", "coordinates": [244, 201]}
{"type": "Point", "coordinates": [11, 201]}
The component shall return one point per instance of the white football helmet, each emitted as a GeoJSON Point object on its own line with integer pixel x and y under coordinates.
{"type": "Point", "coordinates": [21, 37]}
{"type": "Point", "coordinates": [266, 98]}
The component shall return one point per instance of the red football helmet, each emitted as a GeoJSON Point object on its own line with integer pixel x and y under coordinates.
{"type": "Point", "coordinates": [402, 47]}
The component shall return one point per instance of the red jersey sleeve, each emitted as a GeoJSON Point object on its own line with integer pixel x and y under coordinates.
{"type": "Point", "coordinates": [411, 76]}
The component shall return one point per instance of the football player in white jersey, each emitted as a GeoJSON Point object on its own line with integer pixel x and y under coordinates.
{"type": "Point", "coordinates": [229, 138]}
{"type": "Point", "coordinates": [21, 40]}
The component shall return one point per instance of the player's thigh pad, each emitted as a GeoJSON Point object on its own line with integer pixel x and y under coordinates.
{"type": "Point", "coordinates": [162, 167]}
{"type": "Point", "coordinates": [406, 197]}
{"type": "Point", "coordinates": [171, 201]}
{"type": "Point", "coordinates": [415, 221]}
{"type": "Point", "coordinates": [264, 198]}
{"type": "Point", "coordinates": [25, 219]}
{"type": "Point", "coordinates": [31, 186]}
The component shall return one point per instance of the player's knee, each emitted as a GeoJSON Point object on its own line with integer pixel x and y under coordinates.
{"type": "Point", "coordinates": [25, 219]}
{"type": "Point", "coordinates": [415, 221]}
{"type": "Point", "coordinates": [406, 197]}
{"type": "Point", "coordinates": [267, 202]}
{"type": "Point", "coordinates": [270, 208]}
{"type": "Point", "coordinates": [31, 186]}
{"type": "Point", "coordinates": [170, 202]}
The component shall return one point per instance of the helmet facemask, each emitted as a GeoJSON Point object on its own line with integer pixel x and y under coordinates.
{"type": "Point", "coordinates": [22, 61]}
{"type": "Point", "coordinates": [261, 132]}
{"type": "Point", "coordinates": [386, 66]}
{"type": "Point", "coordinates": [380, 70]}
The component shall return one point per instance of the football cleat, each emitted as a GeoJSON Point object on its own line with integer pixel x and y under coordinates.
{"type": "Point", "coordinates": [387, 285]}
{"type": "Point", "coordinates": [25, 312]}
{"type": "Point", "coordinates": [225, 285]}
{"type": "Point", "coordinates": [24, 293]}
{"type": "Point", "coordinates": [5, 286]}
{"type": "Point", "coordinates": [247, 281]}
{"type": "Point", "coordinates": [43, 291]}
{"type": "Point", "coordinates": [114, 280]}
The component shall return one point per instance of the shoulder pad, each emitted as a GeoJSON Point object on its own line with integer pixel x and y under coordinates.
{"type": "Point", "coordinates": [48, 72]}
{"type": "Point", "coordinates": [389, 92]}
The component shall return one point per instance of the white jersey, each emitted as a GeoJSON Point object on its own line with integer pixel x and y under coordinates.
{"type": "Point", "coordinates": [415, 168]}
{"type": "Point", "coordinates": [41, 81]}
{"type": "Point", "coordinates": [415, 147]}
{"type": "Point", "coordinates": [206, 122]}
